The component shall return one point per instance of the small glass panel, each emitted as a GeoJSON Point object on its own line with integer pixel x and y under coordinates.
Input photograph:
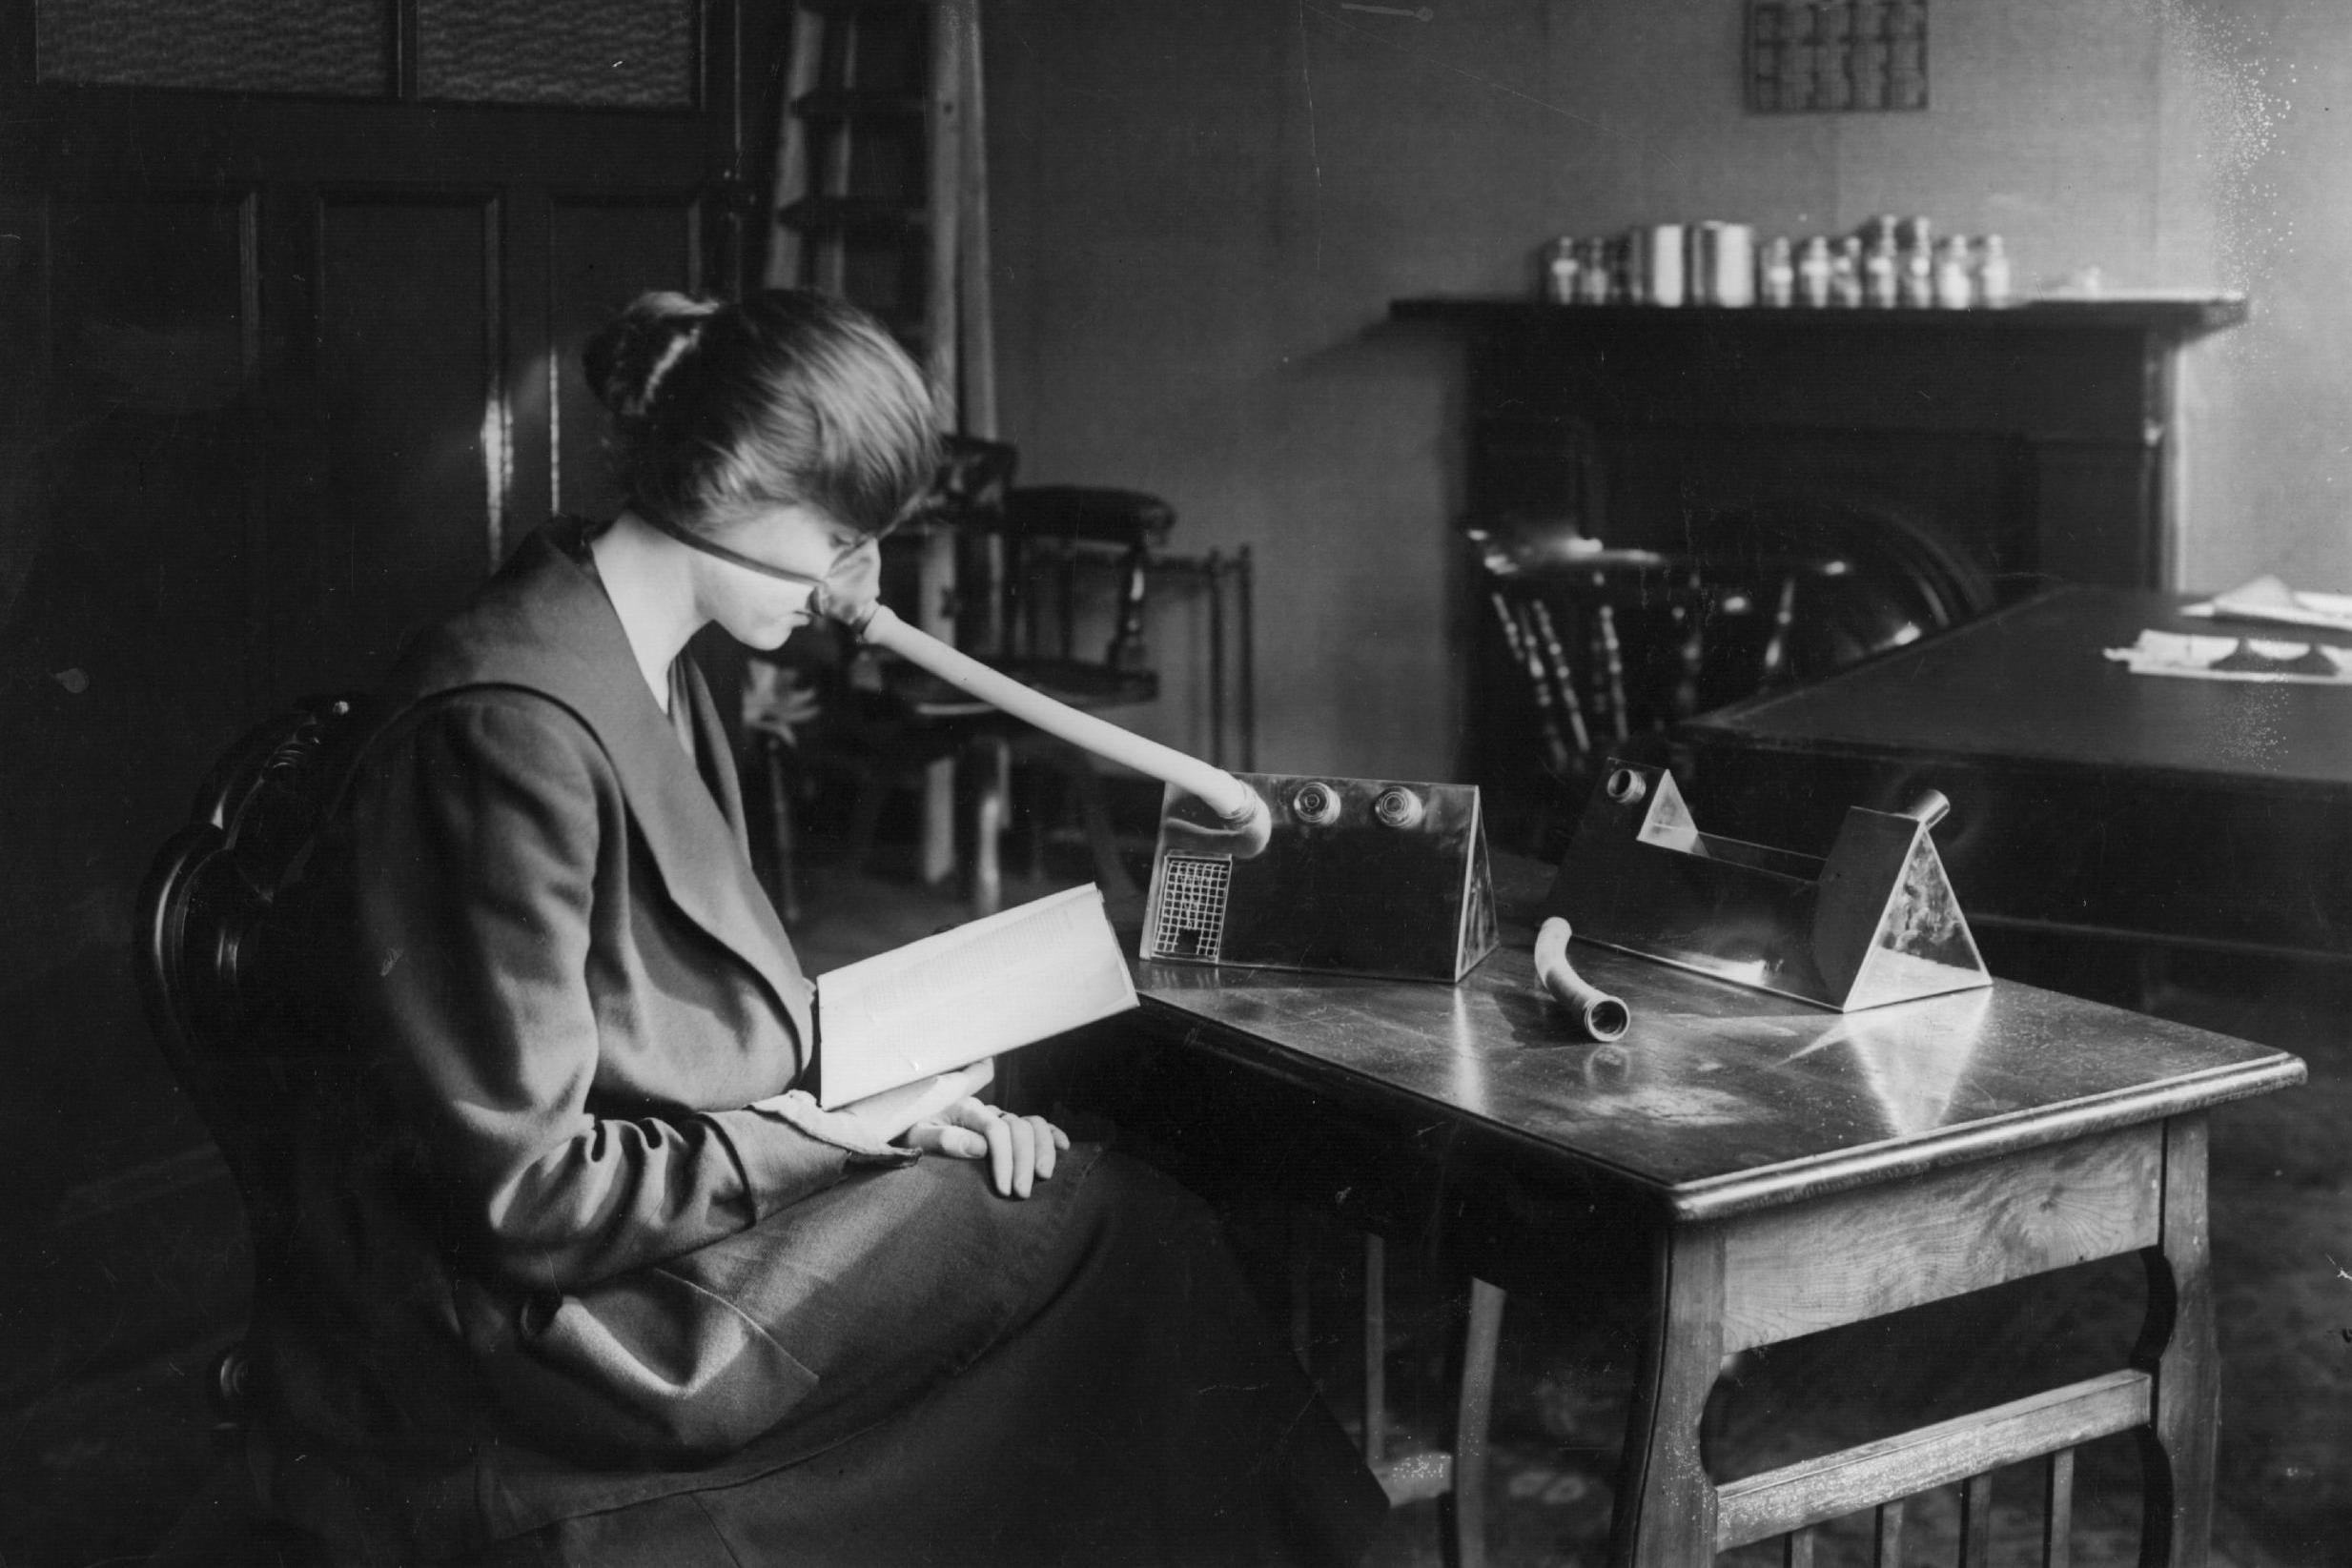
{"type": "Point", "coordinates": [343, 47]}
{"type": "Point", "coordinates": [602, 54]}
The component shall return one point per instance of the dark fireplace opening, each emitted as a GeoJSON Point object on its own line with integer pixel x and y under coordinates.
{"type": "Point", "coordinates": [1672, 509]}
{"type": "Point", "coordinates": [1593, 652]}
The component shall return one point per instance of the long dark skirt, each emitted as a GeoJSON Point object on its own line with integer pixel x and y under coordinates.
{"type": "Point", "coordinates": [1081, 1378]}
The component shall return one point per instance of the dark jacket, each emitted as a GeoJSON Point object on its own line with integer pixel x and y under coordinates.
{"type": "Point", "coordinates": [500, 1303]}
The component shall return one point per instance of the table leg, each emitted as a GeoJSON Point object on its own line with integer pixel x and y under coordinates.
{"type": "Point", "coordinates": [1462, 1509]}
{"type": "Point", "coordinates": [934, 612]}
{"type": "Point", "coordinates": [991, 809]}
{"type": "Point", "coordinates": [2177, 1348]}
{"type": "Point", "coordinates": [1665, 1500]}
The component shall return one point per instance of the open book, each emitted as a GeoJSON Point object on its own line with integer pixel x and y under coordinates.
{"type": "Point", "coordinates": [981, 990]}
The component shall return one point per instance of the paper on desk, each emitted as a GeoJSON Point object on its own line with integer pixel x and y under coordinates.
{"type": "Point", "coordinates": [2270, 599]}
{"type": "Point", "coordinates": [2236, 659]}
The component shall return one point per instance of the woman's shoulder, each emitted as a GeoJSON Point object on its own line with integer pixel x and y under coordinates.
{"type": "Point", "coordinates": [490, 720]}
{"type": "Point", "coordinates": [542, 622]}
{"type": "Point", "coordinates": [492, 747]}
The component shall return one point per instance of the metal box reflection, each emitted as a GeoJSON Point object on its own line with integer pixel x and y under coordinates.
{"type": "Point", "coordinates": [1872, 923]}
{"type": "Point", "coordinates": [1359, 876]}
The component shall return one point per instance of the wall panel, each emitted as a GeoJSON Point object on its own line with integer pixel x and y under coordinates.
{"type": "Point", "coordinates": [124, 645]}
{"type": "Point", "coordinates": [406, 378]}
{"type": "Point", "coordinates": [601, 255]}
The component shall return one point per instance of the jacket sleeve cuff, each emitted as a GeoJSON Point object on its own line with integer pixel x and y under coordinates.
{"type": "Point", "coordinates": [790, 1148]}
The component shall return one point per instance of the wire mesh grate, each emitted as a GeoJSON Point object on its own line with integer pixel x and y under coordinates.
{"type": "Point", "coordinates": [1192, 892]}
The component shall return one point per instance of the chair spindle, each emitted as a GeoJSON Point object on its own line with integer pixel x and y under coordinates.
{"type": "Point", "coordinates": [1562, 677]}
{"type": "Point", "coordinates": [1887, 1545]}
{"type": "Point", "coordinates": [1376, 1352]}
{"type": "Point", "coordinates": [1524, 653]}
{"type": "Point", "coordinates": [1301, 1262]}
{"type": "Point", "coordinates": [1976, 1521]}
{"type": "Point", "coordinates": [1612, 666]}
{"type": "Point", "coordinates": [1887, 1536]}
{"type": "Point", "coordinates": [2058, 1526]}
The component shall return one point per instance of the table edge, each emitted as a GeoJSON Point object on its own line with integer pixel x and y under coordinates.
{"type": "Point", "coordinates": [1728, 726]}
{"type": "Point", "coordinates": [1727, 1197]}
{"type": "Point", "coordinates": [1796, 1181]}
{"type": "Point", "coordinates": [1698, 732]}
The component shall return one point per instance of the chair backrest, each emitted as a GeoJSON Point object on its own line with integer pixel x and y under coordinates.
{"type": "Point", "coordinates": [1020, 555]}
{"type": "Point", "coordinates": [231, 961]}
{"type": "Point", "coordinates": [1828, 585]}
{"type": "Point", "coordinates": [1052, 532]}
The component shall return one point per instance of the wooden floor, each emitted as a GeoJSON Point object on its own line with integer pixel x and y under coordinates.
{"type": "Point", "coordinates": [94, 1463]}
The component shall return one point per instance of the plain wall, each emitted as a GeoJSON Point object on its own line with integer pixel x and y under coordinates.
{"type": "Point", "coordinates": [1201, 212]}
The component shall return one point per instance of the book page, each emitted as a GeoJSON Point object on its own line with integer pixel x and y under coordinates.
{"type": "Point", "coordinates": [890, 1113]}
{"type": "Point", "coordinates": [989, 987]}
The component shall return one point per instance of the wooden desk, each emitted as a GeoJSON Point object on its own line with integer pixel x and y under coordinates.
{"type": "Point", "coordinates": [2087, 802]}
{"type": "Point", "coordinates": [1774, 1169]}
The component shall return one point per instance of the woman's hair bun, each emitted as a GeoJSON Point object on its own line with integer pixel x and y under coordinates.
{"type": "Point", "coordinates": [784, 397]}
{"type": "Point", "coordinates": [631, 355]}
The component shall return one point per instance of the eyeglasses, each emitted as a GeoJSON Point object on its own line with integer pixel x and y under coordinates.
{"type": "Point", "coordinates": [736, 558]}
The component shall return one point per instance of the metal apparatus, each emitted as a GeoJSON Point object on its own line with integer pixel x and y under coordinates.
{"type": "Point", "coordinates": [1348, 876]}
{"type": "Point", "coordinates": [1873, 923]}
{"type": "Point", "coordinates": [1359, 876]}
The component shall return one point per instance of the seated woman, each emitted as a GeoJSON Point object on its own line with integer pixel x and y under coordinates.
{"type": "Point", "coordinates": [579, 1275]}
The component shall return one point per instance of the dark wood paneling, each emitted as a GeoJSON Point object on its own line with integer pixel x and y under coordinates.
{"type": "Point", "coordinates": [123, 608]}
{"type": "Point", "coordinates": [279, 369]}
{"type": "Point", "coordinates": [407, 375]}
{"type": "Point", "coordinates": [190, 137]}
{"type": "Point", "coordinates": [530, 423]}
{"type": "Point", "coordinates": [124, 639]}
{"type": "Point", "coordinates": [601, 254]}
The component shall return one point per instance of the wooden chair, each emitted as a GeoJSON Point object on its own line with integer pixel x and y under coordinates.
{"type": "Point", "coordinates": [1611, 643]}
{"type": "Point", "coordinates": [227, 965]}
{"type": "Point", "coordinates": [1025, 557]}
{"type": "Point", "coordinates": [1455, 1474]}
{"type": "Point", "coordinates": [1042, 545]}
{"type": "Point", "coordinates": [882, 727]}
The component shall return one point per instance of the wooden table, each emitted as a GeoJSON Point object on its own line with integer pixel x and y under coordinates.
{"type": "Point", "coordinates": [1770, 1169]}
{"type": "Point", "coordinates": [2088, 805]}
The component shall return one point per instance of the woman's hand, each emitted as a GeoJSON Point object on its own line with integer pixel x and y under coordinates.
{"type": "Point", "coordinates": [1020, 1150]}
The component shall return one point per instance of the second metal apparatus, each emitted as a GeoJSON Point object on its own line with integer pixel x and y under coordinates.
{"type": "Point", "coordinates": [1874, 922]}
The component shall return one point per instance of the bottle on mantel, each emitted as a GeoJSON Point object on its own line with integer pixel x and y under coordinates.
{"type": "Point", "coordinates": [1776, 274]}
{"type": "Point", "coordinates": [1954, 289]}
{"type": "Point", "coordinates": [1991, 272]}
{"type": "Point", "coordinates": [1561, 269]}
{"type": "Point", "coordinates": [1813, 273]}
{"type": "Point", "coordinates": [1915, 264]}
{"type": "Point", "coordinates": [1593, 273]}
{"type": "Point", "coordinates": [1881, 273]}
{"type": "Point", "coordinates": [1846, 272]}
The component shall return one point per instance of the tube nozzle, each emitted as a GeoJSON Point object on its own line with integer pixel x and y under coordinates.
{"type": "Point", "coordinates": [1602, 1016]}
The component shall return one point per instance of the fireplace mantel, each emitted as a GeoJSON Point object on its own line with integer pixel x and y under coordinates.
{"type": "Point", "coordinates": [2040, 438]}
{"type": "Point", "coordinates": [2179, 316]}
